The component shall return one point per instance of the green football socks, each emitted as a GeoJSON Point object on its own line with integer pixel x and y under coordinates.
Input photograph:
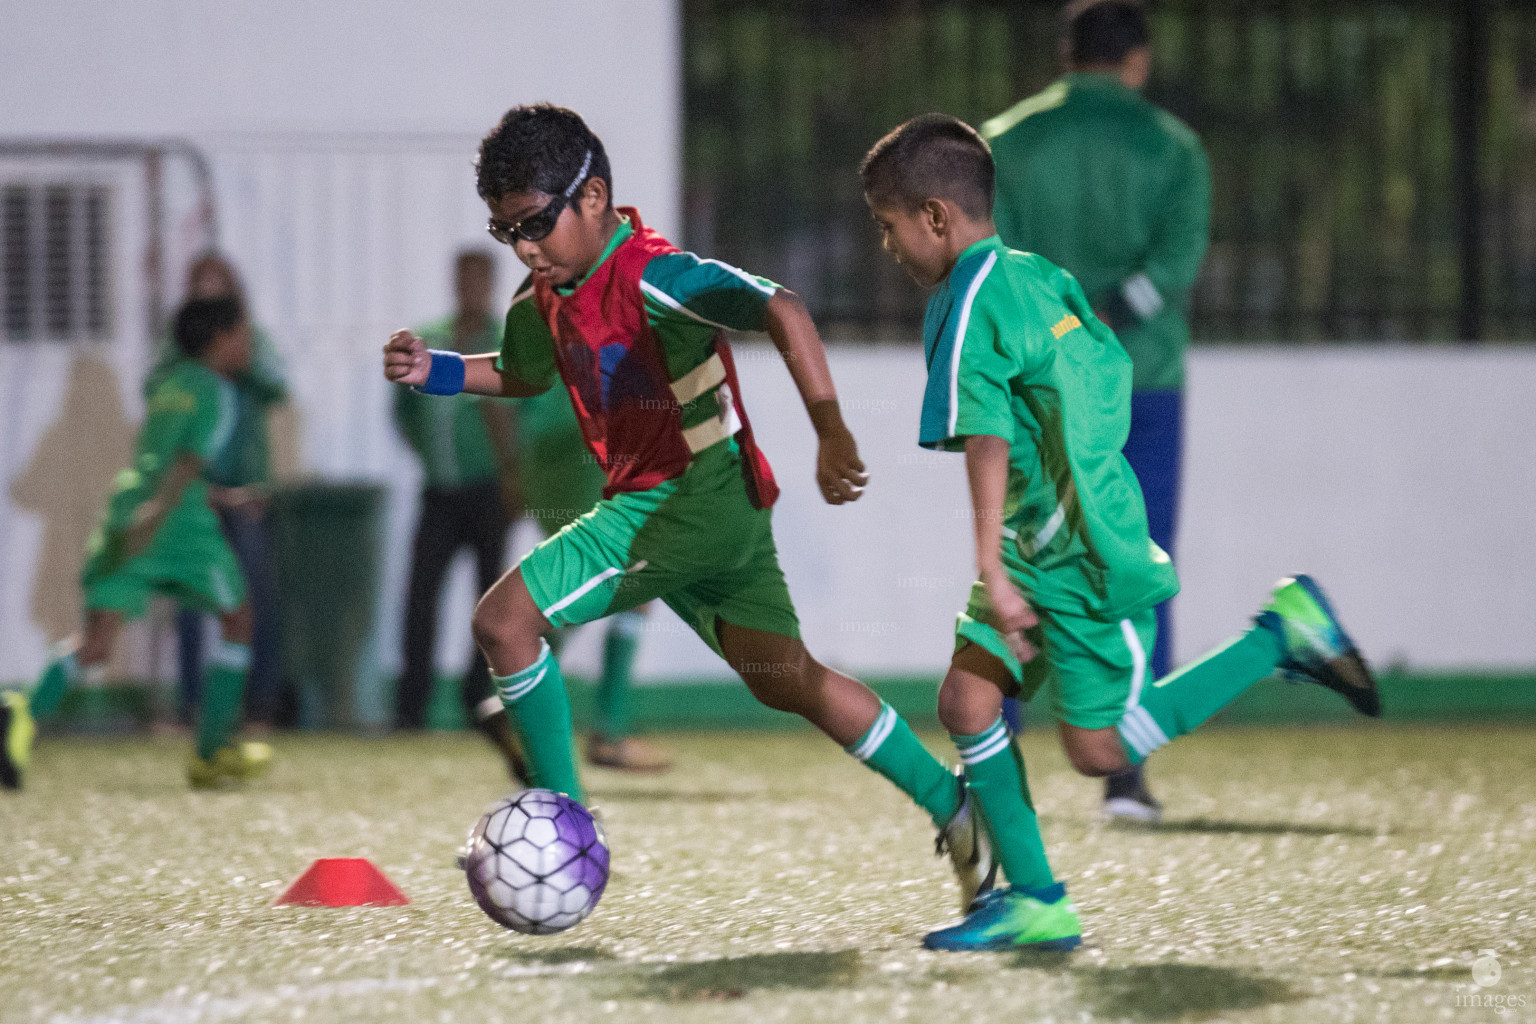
{"type": "Point", "coordinates": [223, 687]}
{"type": "Point", "coordinates": [995, 773]}
{"type": "Point", "coordinates": [611, 720]}
{"type": "Point", "coordinates": [536, 700]}
{"type": "Point", "coordinates": [62, 673]}
{"type": "Point", "coordinates": [1182, 700]}
{"type": "Point", "coordinates": [893, 750]}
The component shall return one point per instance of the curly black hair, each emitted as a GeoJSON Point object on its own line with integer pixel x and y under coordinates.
{"type": "Point", "coordinates": [933, 156]}
{"type": "Point", "coordinates": [201, 320]}
{"type": "Point", "coordinates": [538, 148]}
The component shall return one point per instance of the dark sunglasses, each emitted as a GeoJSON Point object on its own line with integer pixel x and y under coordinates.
{"type": "Point", "coordinates": [536, 226]}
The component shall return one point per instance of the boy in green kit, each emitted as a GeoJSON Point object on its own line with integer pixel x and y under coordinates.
{"type": "Point", "coordinates": [1035, 390]}
{"type": "Point", "coordinates": [560, 482]}
{"type": "Point", "coordinates": [160, 536]}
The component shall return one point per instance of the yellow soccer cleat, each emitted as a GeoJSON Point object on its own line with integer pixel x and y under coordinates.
{"type": "Point", "coordinates": [229, 765]}
{"type": "Point", "coordinates": [16, 732]}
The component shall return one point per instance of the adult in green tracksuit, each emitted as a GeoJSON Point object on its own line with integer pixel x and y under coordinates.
{"type": "Point", "coordinates": [1103, 183]}
{"type": "Point", "coordinates": [468, 499]}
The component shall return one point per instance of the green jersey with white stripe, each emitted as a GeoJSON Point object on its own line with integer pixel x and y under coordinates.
{"type": "Point", "coordinates": [192, 411]}
{"type": "Point", "coordinates": [1014, 351]}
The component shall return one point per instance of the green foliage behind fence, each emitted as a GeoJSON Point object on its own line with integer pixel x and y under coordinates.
{"type": "Point", "coordinates": [1341, 134]}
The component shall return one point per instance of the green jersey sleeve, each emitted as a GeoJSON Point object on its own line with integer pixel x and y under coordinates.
{"type": "Point", "coordinates": [974, 357]}
{"type": "Point", "coordinates": [686, 291]}
{"type": "Point", "coordinates": [192, 411]}
{"type": "Point", "coordinates": [527, 346]}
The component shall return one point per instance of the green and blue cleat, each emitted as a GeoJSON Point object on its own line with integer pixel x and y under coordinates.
{"type": "Point", "coordinates": [16, 732]}
{"type": "Point", "coordinates": [1014, 919]}
{"type": "Point", "coordinates": [1317, 649]}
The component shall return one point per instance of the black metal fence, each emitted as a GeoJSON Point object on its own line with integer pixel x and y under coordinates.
{"type": "Point", "coordinates": [1373, 163]}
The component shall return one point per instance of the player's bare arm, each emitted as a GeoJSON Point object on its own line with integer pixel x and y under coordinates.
{"type": "Point", "coordinates": [149, 517]}
{"type": "Point", "coordinates": [407, 360]}
{"type": "Point", "coordinates": [986, 467]}
{"type": "Point", "coordinates": [839, 471]}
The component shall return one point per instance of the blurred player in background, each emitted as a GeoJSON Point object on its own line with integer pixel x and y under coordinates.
{"type": "Point", "coordinates": [469, 497]}
{"type": "Point", "coordinates": [633, 329]}
{"type": "Point", "coordinates": [561, 481]}
{"type": "Point", "coordinates": [1035, 390]}
{"type": "Point", "coordinates": [238, 484]}
{"type": "Point", "coordinates": [160, 536]}
{"type": "Point", "coordinates": [1111, 188]}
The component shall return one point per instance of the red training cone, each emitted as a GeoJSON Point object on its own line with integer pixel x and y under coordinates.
{"type": "Point", "coordinates": [342, 882]}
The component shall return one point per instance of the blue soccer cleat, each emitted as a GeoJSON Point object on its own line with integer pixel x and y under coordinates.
{"type": "Point", "coordinates": [1014, 919]}
{"type": "Point", "coordinates": [1316, 647]}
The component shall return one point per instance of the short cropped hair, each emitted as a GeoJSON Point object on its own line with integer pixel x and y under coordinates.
{"type": "Point", "coordinates": [199, 321]}
{"type": "Point", "coordinates": [934, 156]}
{"type": "Point", "coordinates": [1104, 31]}
{"type": "Point", "coordinates": [538, 148]}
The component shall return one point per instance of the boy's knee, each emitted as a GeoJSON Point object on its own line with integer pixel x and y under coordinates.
{"type": "Point", "coordinates": [1094, 752]}
{"type": "Point", "coordinates": [953, 708]}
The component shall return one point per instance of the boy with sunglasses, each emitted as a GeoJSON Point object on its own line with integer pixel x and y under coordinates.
{"type": "Point", "coordinates": [1035, 390]}
{"type": "Point", "coordinates": [633, 328]}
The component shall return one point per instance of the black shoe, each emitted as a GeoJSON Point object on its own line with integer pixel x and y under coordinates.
{"type": "Point", "coordinates": [1128, 801]}
{"type": "Point", "coordinates": [497, 728]}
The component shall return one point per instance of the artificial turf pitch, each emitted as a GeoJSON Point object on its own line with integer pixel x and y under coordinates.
{"type": "Point", "coordinates": [1303, 875]}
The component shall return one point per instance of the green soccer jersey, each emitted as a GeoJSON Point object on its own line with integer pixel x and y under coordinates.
{"type": "Point", "coordinates": [1014, 351]}
{"type": "Point", "coordinates": [1098, 180]}
{"type": "Point", "coordinates": [246, 459]}
{"type": "Point", "coordinates": [192, 411]}
{"type": "Point", "coordinates": [451, 435]}
{"type": "Point", "coordinates": [688, 300]}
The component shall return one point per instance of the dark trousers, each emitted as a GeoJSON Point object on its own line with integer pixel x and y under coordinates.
{"type": "Point", "coordinates": [245, 527]}
{"type": "Point", "coordinates": [452, 518]}
{"type": "Point", "coordinates": [1155, 450]}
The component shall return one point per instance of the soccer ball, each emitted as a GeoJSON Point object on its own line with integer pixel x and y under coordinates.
{"type": "Point", "coordinates": [537, 862]}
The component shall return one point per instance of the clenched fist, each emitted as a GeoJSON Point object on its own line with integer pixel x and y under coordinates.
{"type": "Point", "coordinates": [406, 359]}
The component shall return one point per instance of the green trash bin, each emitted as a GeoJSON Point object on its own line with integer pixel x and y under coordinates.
{"type": "Point", "coordinates": [327, 540]}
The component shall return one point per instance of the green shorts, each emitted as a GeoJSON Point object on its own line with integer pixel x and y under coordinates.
{"type": "Point", "coordinates": [189, 561]}
{"type": "Point", "coordinates": [1092, 670]}
{"type": "Point", "coordinates": [696, 542]}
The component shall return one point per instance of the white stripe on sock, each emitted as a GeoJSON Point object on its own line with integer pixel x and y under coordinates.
{"type": "Point", "coordinates": [1129, 731]}
{"type": "Point", "coordinates": [519, 684]}
{"type": "Point", "coordinates": [987, 738]}
{"type": "Point", "coordinates": [878, 732]}
{"type": "Point", "coordinates": [982, 751]}
{"type": "Point", "coordinates": [1159, 738]}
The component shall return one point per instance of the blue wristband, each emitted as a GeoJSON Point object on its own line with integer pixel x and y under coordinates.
{"type": "Point", "coordinates": [446, 376]}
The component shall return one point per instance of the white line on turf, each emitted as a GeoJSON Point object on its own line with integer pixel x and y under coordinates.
{"type": "Point", "coordinates": [186, 1007]}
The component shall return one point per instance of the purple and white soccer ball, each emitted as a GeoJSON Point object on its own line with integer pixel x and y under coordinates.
{"type": "Point", "coordinates": [537, 862]}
